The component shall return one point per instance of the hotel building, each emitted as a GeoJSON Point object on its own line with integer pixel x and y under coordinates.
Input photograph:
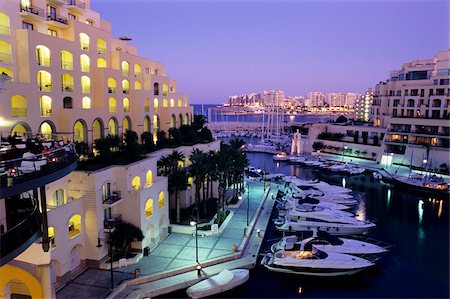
{"type": "Point", "coordinates": [363, 106]}
{"type": "Point", "coordinates": [70, 79]}
{"type": "Point", "coordinates": [413, 105]}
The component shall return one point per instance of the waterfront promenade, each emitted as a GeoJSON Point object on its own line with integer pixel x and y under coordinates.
{"type": "Point", "coordinates": [171, 265]}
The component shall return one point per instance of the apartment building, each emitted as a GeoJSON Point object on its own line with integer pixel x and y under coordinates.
{"type": "Point", "coordinates": [413, 105]}
{"type": "Point", "coordinates": [363, 106]}
{"type": "Point", "coordinates": [69, 78]}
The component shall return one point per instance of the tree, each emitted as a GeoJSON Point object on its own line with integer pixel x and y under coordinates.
{"type": "Point", "coordinates": [199, 122]}
{"type": "Point", "coordinates": [161, 139]}
{"type": "Point", "coordinates": [187, 134]}
{"type": "Point", "coordinates": [317, 145]}
{"type": "Point", "coordinates": [81, 147]}
{"type": "Point", "coordinates": [132, 148]}
{"type": "Point", "coordinates": [103, 149]}
{"type": "Point", "coordinates": [206, 134]}
{"type": "Point", "coordinates": [224, 162]}
{"type": "Point", "coordinates": [175, 136]}
{"type": "Point", "coordinates": [197, 171]}
{"type": "Point", "coordinates": [123, 235]}
{"type": "Point", "coordinates": [178, 181]}
{"type": "Point", "coordinates": [341, 119]}
{"type": "Point", "coordinates": [147, 141]}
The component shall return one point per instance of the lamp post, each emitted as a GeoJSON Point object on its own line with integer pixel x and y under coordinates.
{"type": "Point", "coordinates": [194, 223]}
{"type": "Point", "coordinates": [110, 257]}
{"type": "Point", "coordinates": [343, 152]}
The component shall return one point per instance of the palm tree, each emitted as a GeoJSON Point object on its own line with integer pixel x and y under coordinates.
{"type": "Point", "coordinates": [211, 166]}
{"type": "Point", "coordinates": [198, 172]}
{"type": "Point", "coordinates": [223, 162]}
{"type": "Point", "coordinates": [163, 165]}
{"type": "Point", "coordinates": [123, 235]}
{"type": "Point", "coordinates": [174, 159]}
{"type": "Point", "coordinates": [178, 181]}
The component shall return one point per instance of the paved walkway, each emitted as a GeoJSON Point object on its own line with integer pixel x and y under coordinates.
{"type": "Point", "coordinates": [176, 255]}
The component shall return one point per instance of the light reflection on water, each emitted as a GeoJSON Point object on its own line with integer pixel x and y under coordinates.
{"type": "Point", "coordinates": [389, 193]}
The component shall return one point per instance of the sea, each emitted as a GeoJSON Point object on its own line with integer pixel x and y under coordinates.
{"type": "Point", "coordinates": [214, 117]}
{"type": "Point", "coordinates": [415, 225]}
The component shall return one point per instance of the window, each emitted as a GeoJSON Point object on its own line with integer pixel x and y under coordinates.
{"type": "Point", "coordinates": [136, 183]}
{"type": "Point", "coordinates": [72, 17]}
{"type": "Point", "coordinates": [147, 105]}
{"type": "Point", "coordinates": [5, 52]}
{"type": "Point", "coordinates": [44, 81]}
{"type": "Point", "coordinates": [165, 103]}
{"type": "Point", "coordinates": [74, 226]}
{"type": "Point", "coordinates": [66, 60]}
{"type": "Point", "coordinates": [156, 89]}
{"type": "Point", "coordinates": [85, 63]}
{"type": "Point", "coordinates": [51, 236]}
{"type": "Point", "coordinates": [67, 83]}
{"type": "Point", "coordinates": [101, 46]}
{"type": "Point", "coordinates": [165, 89]}
{"type": "Point", "coordinates": [126, 105]}
{"type": "Point", "coordinates": [51, 13]}
{"type": "Point", "coordinates": [180, 103]}
{"type": "Point", "coordinates": [79, 132]}
{"type": "Point", "coordinates": [4, 24]}
{"type": "Point", "coordinates": [112, 85]}
{"type": "Point", "coordinates": [112, 126]}
{"type": "Point", "coordinates": [112, 105]}
{"type": "Point", "coordinates": [86, 103]}
{"type": "Point", "coordinates": [149, 177]}
{"type": "Point", "coordinates": [52, 32]}
{"type": "Point", "coordinates": [172, 103]}
{"type": "Point", "coordinates": [161, 200]}
{"type": "Point", "coordinates": [59, 198]}
{"type": "Point", "coordinates": [137, 85]}
{"type": "Point", "coordinates": [90, 22]}
{"type": "Point", "coordinates": [148, 208]}
{"type": "Point", "coordinates": [125, 86]}
{"type": "Point", "coordinates": [27, 26]}
{"type": "Point", "coordinates": [147, 70]}
{"type": "Point", "coordinates": [125, 68]}
{"type": "Point", "coordinates": [156, 104]}
{"type": "Point", "coordinates": [137, 71]}
{"type": "Point", "coordinates": [101, 63]}
{"type": "Point", "coordinates": [19, 106]}
{"type": "Point", "coordinates": [84, 41]}
{"type": "Point", "coordinates": [43, 55]}
{"type": "Point", "coordinates": [85, 84]}
{"type": "Point", "coordinates": [67, 103]}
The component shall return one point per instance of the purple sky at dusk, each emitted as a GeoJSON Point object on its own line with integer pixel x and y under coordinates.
{"type": "Point", "coordinates": [214, 49]}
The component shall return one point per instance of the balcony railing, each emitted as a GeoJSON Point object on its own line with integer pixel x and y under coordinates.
{"type": "Point", "coordinates": [112, 222]}
{"type": "Point", "coordinates": [15, 240]}
{"type": "Point", "coordinates": [32, 9]}
{"type": "Point", "coordinates": [57, 18]}
{"type": "Point", "coordinates": [76, 3]}
{"type": "Point", "coordinates": [112, 198]}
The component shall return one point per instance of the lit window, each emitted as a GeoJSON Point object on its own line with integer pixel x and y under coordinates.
{"type": "Point", "coordinates": [19, 106]}
{"type": "Point", "coordinates": [136, 183]}
{"type": "Point", "coordinates": [112, 105]}
{"type": "Point", "coordinates": [148, 208]}
{"type": "Point", "coordinates": [51, 236]}
{"type": "Point", "coordinates": [86, 103]}
{"type": "Point", "coordinates": [52, 32]}
{"type": "Point", "coordinates": [161, 200]}
{"type": "Point", "coordinates": [149, 177]}
{"type": "Point", "coordinates": [84, 41]}
{"type": "Point", "coordinates": [74, 225]}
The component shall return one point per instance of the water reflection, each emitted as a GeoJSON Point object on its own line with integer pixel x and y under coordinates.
{"type": "Point", "coordinates": [389, 193]}
{"type": "Point", "coordinates": [361, 212]}
{"type": "Point", "coordinates": [420, 210]}
{"type": "Point", "coordinates": [343, 182]}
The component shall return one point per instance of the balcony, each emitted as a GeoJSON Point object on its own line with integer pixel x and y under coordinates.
{"type": "Point", "coordinates": [57, 21]}
{"type": "Point", "coordinates": [23, 174]}
{"type": "Point", "coordinates": [18, 238]}
{"type": "Point", "coordinates": [110, 224]}
{"type": "Point", "coordinates": [32, 12]}
{"type": "Point", "coordinates": [76, 5]}
{"type": "Point", "coordinates": [112, 199]}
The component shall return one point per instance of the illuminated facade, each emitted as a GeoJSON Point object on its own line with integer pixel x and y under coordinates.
{"type": "Point", "coordinates": [363, 105]}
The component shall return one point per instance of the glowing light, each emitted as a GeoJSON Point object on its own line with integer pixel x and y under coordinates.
{"type": "Point", "coordinates": [389, 193]}
{"type": "Point", "coordinates": [440, 209]}
{"type": "Point", "coordinates": [420, 210]}
{"type": "Point", "coordinates": [343, 182]}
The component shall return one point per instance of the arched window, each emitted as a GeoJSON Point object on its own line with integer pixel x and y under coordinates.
{"type": "Point", "coordinates": [180, 103]}
{"type": "Point", "coordinates": [44, 80]}
{"type": "Point", "coordinates": [156, 88]}
{"type": "Point", "coordinates": [146, 124]}
{"type": "Point", "coordinates": [85, 84]}
{"type": "Point", "coordinates": [42, 55]}
{"type": "Point", "coordinates": [97, 129]}
{"type": "Point", "coordinates": [165, 103]}
{"type": "Point", "coordinates": [112, 85]}
{"type": "Point", "coordinates": [20, 128]}
{"type": "Point", "coordinates": [149, 177]}
{"type": "Point", "coordinates": [172, 103]}
{"type": "Point", "coordinates": [125, 68]}
{"type": "Point", "coordinates": [147, 105]}
{"type": "Point", "coordinates": [19, 106]}
{"type": "Point", "coordinates": [148, 208]}
{"type": "Point", "coordinates": [101, 46]}
{"type": "Point", "coordinates": [136, 183]}
{"type": "Point", "coordinates": [4, 24]}
{"type": "Point", "coordinates": [180, 119]}
{"type": "Point", "coordinates": [101, 63]}
{"type": "Point", "coordinates": [112, 126]}
{"type": "Point", "coordinates": [59, 198]}
{"type": "Point", "coordinates": [156, 72]}
{"type": "Point", "coordinates": [173, 121]}
{"type": "Point", "coordinates": [84, 41]}
{"type": "Point", "coordinates": [46, 129]}
{"type": "Point", "coordinates": [155, 128]}
{"type": "Point", "coordinates": [66, 60]}
{"type": "Point", "coordinates": [186, 119]}
{"type": "Point", "coordinates": [161, 200]}
{"type": "Point", "coordinates": [137, 71]}
{"type": "Point", "coordinates": [126, 124]}
{"type": "Point", "coordinates": [74, 225]}
{"type": "Point", "coordinates": [46, 106]}
{"type": "Point", "coordinates": [5, 51]}
{"type": "Point", "coordinates": [156, 105]}
{"type": "Point", "coordinates": [137, 85]}
{"type": "Point", "coordinates": [126, 86]}
{"type": "Point", "coordinates": [165, 90]}
{"type": "Point", "coordinates": [67, 103]}
{"type": "Point", "coordinates": [7, 71]}
{"type": "Point", "coordinates": [79, 131]}
{"type": "Point", "coordinates": [112, 103]}
{"type": "Point", "coordinates": [85, 63]}
{"type": "Point", "coordinates": [52, 236]}
{"type": "Point", "coordinates": [86, 103]}
{"type": "Point", "coordinates": [67, 83]}
{"type": "Point", "coordinates": [126, 105]}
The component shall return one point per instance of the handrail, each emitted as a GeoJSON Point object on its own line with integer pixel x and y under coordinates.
{"type": "Point", "coordinates": [20, 235]}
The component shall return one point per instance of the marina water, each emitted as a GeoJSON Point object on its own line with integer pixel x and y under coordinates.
{"type": "Point", "coordinates": [417, 227]}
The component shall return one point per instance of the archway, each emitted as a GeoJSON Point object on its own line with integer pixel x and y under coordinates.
{"type": "Point", "coordinates": [97, 129]}
{"type": "Point", "coordinates": [9, 273]}
{"type": "Point", "coordinates": [75, 257]}
{"type": "Point", "coordinates": [79, 131]}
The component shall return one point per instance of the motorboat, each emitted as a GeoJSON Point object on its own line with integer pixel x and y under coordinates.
{"type": "Point", "coordinates": [429, 184]}
{"type": "Point", "coordinates": [314, 262]}
{"type": "Point", "coordinates": [297, 160]}
{"type": "Point", "coordinates": [337, 199]}
{"type": "Point", "coordinates": [329, 243]}
{"type": "Point", "coordinates": [333, 222]}
{"type": "Point", "coordinates": [291, 202]}
{"type": "Point", "coordinates": [280, 157]}
{"type": "Point", "coordinates": [224, 281]}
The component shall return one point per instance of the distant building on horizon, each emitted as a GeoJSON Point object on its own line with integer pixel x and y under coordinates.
{"type": "Point", "coordinates": [363, 105]}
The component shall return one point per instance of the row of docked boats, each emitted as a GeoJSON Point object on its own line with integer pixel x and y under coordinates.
{"type": "Point", "coordinates": [333, 250]}
{"type": "Point", "coordinates": [333, 166]}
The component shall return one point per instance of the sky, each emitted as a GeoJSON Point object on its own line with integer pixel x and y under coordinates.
{"type": "Point", "coordinates": [215, 49]}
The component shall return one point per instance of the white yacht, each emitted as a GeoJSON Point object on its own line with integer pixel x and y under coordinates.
{"type": "Point", "coordinates": [314, 262]}
{"type": "Point", "coordinates": [280, 157]}
{"type": "Point", "coordinates": [292, 202]}
{"type": "Point", "coordinates": [337, 199]}
{"type": "Point", "coordinates": [333, 222]}
{"type": "Point", "coordinates": [329, 243]}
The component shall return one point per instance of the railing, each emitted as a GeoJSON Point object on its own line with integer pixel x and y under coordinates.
{"type": "Point", "coordinates": [5, 57]}
{"type": "Point", "coordinates": [19, 112]}
{"type": "Point", "coordinates": [57, 18]}
{"type": "Point", "coordinates": [76, 3]}
{"type": "Point", "coordinates": [112, 222]}
{"type": "Point", "coordinates": [32, 9]}
{"type": "Point", "coordinates": [112, 198]}
{"type": "Point", "coordinates": [16, 239]}
{"type": "Point", "coordinates": [4, 30]}
{"type": "Point", "coordinates": [34, 166]}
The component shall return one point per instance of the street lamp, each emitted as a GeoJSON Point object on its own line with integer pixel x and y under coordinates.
{"type": "Point", "coordinates": [345, 149]}
{"type": "Point", "coordinates": [194, 223]}
{"type": "Point", "coordinates": [110, 257]}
